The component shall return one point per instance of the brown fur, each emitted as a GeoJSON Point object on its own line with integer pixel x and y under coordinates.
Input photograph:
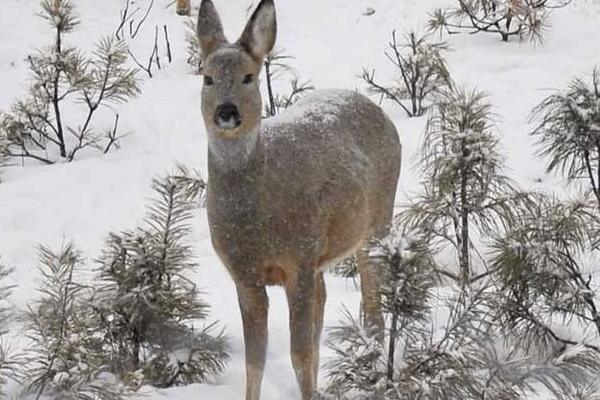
{"type": "Point", "coordinates": [290, 195]}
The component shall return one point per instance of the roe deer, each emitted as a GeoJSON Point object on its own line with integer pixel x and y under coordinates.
{"type": "Point", "coordinates": [183, 7]}
{"type": "Point", "coordinates": [289, 195]}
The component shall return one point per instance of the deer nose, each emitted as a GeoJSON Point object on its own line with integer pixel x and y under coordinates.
{"type": "Point", "coordinates": [227, 116]}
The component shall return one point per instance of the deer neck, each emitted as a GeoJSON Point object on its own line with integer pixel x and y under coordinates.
{"type": "Point", "coordinates": [232, 155]}
{"type": "Point", "coordinates": [234, 164]}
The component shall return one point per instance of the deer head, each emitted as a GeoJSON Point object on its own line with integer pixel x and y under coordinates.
{"type": "Point", "coordinates": [231, 101]}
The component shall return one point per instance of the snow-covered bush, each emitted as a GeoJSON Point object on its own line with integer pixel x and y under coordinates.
{"type": "Point", "coordinates": [66, 359]}
{"type": "Point", "coordinates": [545, 261]}
{"type": "Point", "coordinates": [465, 193]}
{"type": "Point", "coordinates": [39, 126]}
{"type": "Point", "coordinates": [135, 324]}
{"type": "Point", "coordinates": [146, 304]}
{"type": "Point", "coordinates": [447, 339]}
{"type": "Point", "coordinates": [568, 132]}
{"type": "Point", "coordinates": [544, 266]}
{"type": "Point", "coordinates": [523, 19]}
{"type": "Point", "coordinates": [438, 343]}
{"type": "Point", "coordinates": [421, 70]}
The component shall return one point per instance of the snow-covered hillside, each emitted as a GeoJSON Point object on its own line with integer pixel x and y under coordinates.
{"type": "Point", "coordinates": [331, 40]}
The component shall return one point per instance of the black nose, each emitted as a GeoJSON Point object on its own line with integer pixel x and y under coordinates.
{"type": "Point", "coordinates": [227, 112]}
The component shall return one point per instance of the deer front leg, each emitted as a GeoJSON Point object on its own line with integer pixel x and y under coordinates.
{"type": "Point", "coordinates": [183, 7]}
{"type": "Point", "coordinates": [254, 306]}
{"type": "Point", "coordinates": [301, 290]}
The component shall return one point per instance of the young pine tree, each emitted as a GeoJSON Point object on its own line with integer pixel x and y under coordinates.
{"type": "Point", "coordinates": [543, 265]}
{"type": "Point", "coordinates": [438, 344]}
{"type": "Point", "coordinates": [66, 359]}
{"type": "Point", "coordinates": [421, 70]}
{"type": "Point", "coordinates": [466, 193]}
{"type": "Point", "coordinates": [568, 132]}
{"type": "Point", "coordinates": [545, 261]}
{"type": "Point", "coordinates": [146, 304]}
{"type": "Point", "coordinates": [38, 127]}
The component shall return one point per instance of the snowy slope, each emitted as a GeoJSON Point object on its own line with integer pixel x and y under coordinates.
{"type": "Point", "coordinates": [332, 41]}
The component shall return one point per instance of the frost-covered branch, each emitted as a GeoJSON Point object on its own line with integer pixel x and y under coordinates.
{"type": "Point", "coordinates": [523, 19]}
{"type": "Point", "coordinates": [568, 131]}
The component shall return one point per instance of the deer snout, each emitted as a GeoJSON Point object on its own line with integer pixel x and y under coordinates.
{"type": "Point", "coordinates": [227, 116]}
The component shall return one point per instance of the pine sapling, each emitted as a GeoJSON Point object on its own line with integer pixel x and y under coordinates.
{"type": "Point", "coordinates": [37, 127]}
{"type": "Point", "coordinates": [466, 193]}
{"type": "Point", "coordinates": [421, 70]}
{"type": "Point", "coordinates": [437, 343]}
{"type": "Point", "coordinates": [147, 305]}
{"type": "Point", "coordinates": [362, 363]}
{"type": "Point", "coordinates": [568, 132]}
{"type": "Point", "coordinates": [542, 264]}
{"type": "Point", "coordinates": [66, 358]}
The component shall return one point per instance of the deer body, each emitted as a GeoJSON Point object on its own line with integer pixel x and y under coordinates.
{"type": "Point", "coordinates": [320, 181]}
{"type": "Point", "coordinates": [292, 194]}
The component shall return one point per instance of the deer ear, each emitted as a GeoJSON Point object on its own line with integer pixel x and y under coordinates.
{"type": "Point", "coordinates": [259, 35]}
{"type": "Point", "coordinates": [209, 28]}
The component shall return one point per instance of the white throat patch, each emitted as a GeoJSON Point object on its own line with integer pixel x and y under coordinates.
{"type": "Point", "coordinates": [232, 154]}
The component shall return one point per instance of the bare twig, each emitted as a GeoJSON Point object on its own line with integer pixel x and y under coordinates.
{"type": "Point", "coordinates": [141, 22]}
{"type": "Point", "coordinates": [112, 135]}
{"type": "Point", "coordinates": [168, 42]}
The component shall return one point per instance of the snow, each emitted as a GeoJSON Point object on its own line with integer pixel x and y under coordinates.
{"type": "Point", "coordinates": [331, 42]}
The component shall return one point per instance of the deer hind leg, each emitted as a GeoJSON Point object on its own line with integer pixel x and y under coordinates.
{"type": "Point", "coordinates": [321, 297]}
{"type": "Point", "coordinates": [301, 290]}
{"type": "Point", "coordinates": [183, 7]}
{"type": "Point", "coordinates": [254, 306]}
{"type": "Point", "coordinates": [370, 284]}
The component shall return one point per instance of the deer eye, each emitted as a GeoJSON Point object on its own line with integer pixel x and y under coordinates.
{"type": "Point", "coordinates": [248, 79]}
{"type": "Point", "coordinates": [208, 80]}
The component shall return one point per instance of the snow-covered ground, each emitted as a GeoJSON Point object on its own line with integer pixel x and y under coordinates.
{"type": "Point", "coordinates": [331, 40]}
